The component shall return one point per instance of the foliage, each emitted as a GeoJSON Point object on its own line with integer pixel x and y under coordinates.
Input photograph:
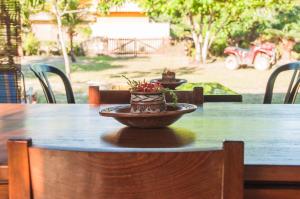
{"type": "Point", "coordinates": [31, 44]}
{"type": "Point", "coordinates": [85, 31]}
{"type": "Point", "coordinates": [217, 48]}
{"type": "Point", "coordinates": [297, 48]}
{"type": "Point", "coordinates": [209, 88]}
{"type": "Point", "coordinates": [103, 6]}
{"type": "Point", "coordinates": [29, 8]}
{"type": "Point", "coordinates": [63, 8]}
{"type": "Point", "coordinates": [78, 50]}
{"type": "Point", "coordinates": [143, 86]}
{"type": "Point", "coordinates": [209, 20]}
{"type": "Point", "coordinates": [149, 87]}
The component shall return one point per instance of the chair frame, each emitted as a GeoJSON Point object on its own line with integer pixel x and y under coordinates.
{"type": "Point", "coordinates": [20, 86]}
{"type": "Point", "coordinates": [40, 71]}
{"type": "Point", "coordinates": [97, 96]}
{"type": "Point", "coordinates": [293, 88]}
{"type": "Point", "coordinates": [231, 157]}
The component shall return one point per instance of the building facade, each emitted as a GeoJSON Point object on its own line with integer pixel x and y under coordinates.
{"type": "Point", "coordinates": [126, 29]}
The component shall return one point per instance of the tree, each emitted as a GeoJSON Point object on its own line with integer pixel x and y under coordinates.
{"type": "Point", "coordinates": [61, 8]}
{"type": "Point", "coordinates": [284, 29]}
{"type": "Point", "coordinates": [205, 18]}
{"type": "Point", "coordinates": [71, 21]}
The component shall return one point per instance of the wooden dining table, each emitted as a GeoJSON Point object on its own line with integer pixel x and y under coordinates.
{"type": "Point", "coordinates": [271, 134]}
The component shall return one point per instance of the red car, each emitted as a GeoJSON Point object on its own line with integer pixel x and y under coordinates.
{"type": "Point", "coordinates": [261, 56]}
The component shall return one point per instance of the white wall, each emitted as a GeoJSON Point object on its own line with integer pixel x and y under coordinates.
{"type": "Point", "coordinates": [45, 32]}
{"type": "Point", "coordinates": [131, 27]}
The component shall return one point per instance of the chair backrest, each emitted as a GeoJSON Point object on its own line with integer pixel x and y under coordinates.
{"type": "Point", "coordinates": [97, 96]}
{"type": "Point", "coordinates": [293, 87]}
{"type": "Point", "coordinates": [40, 173]}
{"type": "Point", "coordinates": [12, 86]}
{"type": "Point", "coordinates": [41, 70]}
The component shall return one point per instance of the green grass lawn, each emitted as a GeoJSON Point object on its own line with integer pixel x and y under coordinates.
{"type": "Point", "coordinates": [209, 88]}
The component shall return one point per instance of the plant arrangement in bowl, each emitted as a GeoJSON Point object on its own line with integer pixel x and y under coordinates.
{"type": "Point", "coordinates": [148, 107]}
{"type": "Point", "coordinates": [168, 76]}
{"type": "Point", "coordinates": [169, 80]}
{"type": "Point", "coordinates": [148, 97]}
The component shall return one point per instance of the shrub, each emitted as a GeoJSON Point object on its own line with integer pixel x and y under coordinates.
{"type": "Point", "coordinates": [78, 50]}
{"type": "Point", "coordinates": [31, 44]}
{"type": "Point", "coordinates": [297, 47]}
{"type": "Point", "coordinates": [85, 31]}
{"type": "Point", "coordinates": [217, 48]}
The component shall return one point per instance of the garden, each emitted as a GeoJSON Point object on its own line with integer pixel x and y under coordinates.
{"type": "Point", "coordinates": [200, 32]}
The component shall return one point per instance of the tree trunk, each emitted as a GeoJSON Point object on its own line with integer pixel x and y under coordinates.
{"type": "Point", "coordinates": [197, 47]}
{"type": "Point", "coordinates": [196, 38]}
{"type": "Point", "coordinates": [205, 47]}
{"type": "Point", "coordinates": [198, 52]}
{"type": "Point", "coordinates": [72, 54]}
{"type": "Point", "coordinates": [287, 49]}
{"type": "Point", "coordinates": [62, 41]}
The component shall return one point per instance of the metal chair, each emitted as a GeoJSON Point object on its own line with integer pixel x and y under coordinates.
{"type": "Point", "coordinates": [12, 86]}
{"type": "Point", "coordinates": [41, 70]}
{"type": "Point", "coordinates": [293, 88]}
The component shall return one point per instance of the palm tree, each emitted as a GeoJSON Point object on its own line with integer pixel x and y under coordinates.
{"type": "Point", "coordinates": [71, 21]}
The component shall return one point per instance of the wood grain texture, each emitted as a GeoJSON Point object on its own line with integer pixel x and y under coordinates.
{"type": "Point", "coordinates": [97, 96]}
{"type": "Point", "coordinates": [94, 95]}
{"type": "Point", "coordinates": [271, 133]}
{"type": "Point", "coordinates": [272, 193]}
{"type": "Point", "coordinates": [233, 170]}
{"type": "Point", "coordinates": [3, 182]}
{"type": "Point", "coordinates": [19, 176]}
{"type": "Point", "coordinates": [3, 173]}
{"type": "Point", "coordinates": [72, 174]}
{"type": "Point", "coordinates": [265, 173]}
{"type": "Point", "coordinates": [3, 190]}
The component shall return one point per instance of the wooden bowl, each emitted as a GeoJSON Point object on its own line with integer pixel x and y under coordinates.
{"type": "Point", "coordinates": [169, 84]}
{"type": "Point", "coordinates": [148, 120]}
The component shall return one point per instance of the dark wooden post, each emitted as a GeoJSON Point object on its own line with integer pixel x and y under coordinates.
{"type": "Point", "coordinates": [198, 95]}
{"type": "Point", "coordinates": [94, 95]}
{"type": "Point", "coordinates": [233, 169]}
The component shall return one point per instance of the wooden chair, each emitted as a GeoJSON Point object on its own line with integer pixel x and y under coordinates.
{"type": "Point", "coordinates": [41, 173]}
{"type": "Point", "coordinates": [293, 88]}
{"type": "Point", "coordinates": [97, 96]}
{"type": "Point", "coordinates": [41, 70]}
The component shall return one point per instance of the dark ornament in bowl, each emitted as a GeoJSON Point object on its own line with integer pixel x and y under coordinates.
{"type": "Point", "coordinates": [147, 102]}
{"type": "Point", "coordinates": [168, 76]}
{"type": "Point", "coordinates": [169, 84]}
{"type": "Point", "coordinates": [148, 120]}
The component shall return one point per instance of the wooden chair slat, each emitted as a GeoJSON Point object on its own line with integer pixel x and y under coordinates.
{"type": "Point", "coordinates": [233, 172]}
{"type": "Point", "coordinates": [64, 174]}
{"type": "Point", "coordinates": [19, 174]}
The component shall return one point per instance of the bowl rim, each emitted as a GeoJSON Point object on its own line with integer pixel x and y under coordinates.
{"type": "Point", "coordinates": [146, 93]}
{"type": "Point", "coordinates": [177, 81]}
{"type": "Point", "coordinates": [112, 111]}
